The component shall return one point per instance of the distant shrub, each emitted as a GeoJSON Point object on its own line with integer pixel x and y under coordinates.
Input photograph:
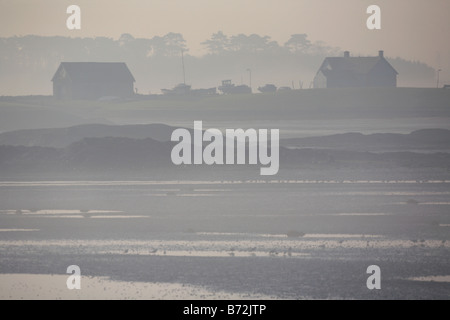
{"type": "Point", "coordinates": [294, 234]}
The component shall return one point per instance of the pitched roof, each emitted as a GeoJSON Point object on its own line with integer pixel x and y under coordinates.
{"type": "Point", "coordinates": [96, 71]}
{"type": "Point", "coordinates": [354, 65]}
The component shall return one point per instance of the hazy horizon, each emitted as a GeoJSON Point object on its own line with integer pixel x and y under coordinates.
{"type": "Point", "coordinates": [406, 24]}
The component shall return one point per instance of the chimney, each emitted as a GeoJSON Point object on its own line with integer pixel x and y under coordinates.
{"type": "Point", "coordinates": [347, 54]}
{"type": "Point", "coordinates": [381, 54]}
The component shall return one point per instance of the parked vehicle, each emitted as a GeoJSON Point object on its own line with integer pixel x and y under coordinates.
{"type": "Point", "coordinates": [229, 88]}
{"type": "Point", "coordinates": [268, 88]}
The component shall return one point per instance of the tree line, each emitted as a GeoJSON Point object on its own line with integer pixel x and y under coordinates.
{"type": "Point", "coordinates": [27, 63]}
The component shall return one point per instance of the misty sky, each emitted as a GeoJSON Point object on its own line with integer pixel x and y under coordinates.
{"type": "Point", "coordinates": [413, 29]}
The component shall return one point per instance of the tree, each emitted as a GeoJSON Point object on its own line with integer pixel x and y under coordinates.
{"type": "Point", "coordinates": [251, 44]}
{"type": "Point", "coordinates": [174, 43]}
{"type": "Point", "coordinates": [274, 47]}
{"type": "Point", "coordinates": [125, 39]}
{"type": "Point", "coordinates": [168, 45]}
{"type": "Point", "coordinates": [218, 44]}
{"type": "Point", "coordinates": [298, 43]}
{"type": "Point", "coordinates": [158, 46]}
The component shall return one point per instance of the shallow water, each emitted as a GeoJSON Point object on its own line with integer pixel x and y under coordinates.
{"type": "Point", "coordinates": [192, 182]}
{"type": "Point", "coordinates": [444, 279]}
{"type": "Point", "coordinates": [232, 235]}
{"type": "Point", "coordinates": [19, 230]}
{"type": "Point", "coordinates": [53, 287]}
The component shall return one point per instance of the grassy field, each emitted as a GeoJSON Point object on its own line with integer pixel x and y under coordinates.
{"type": "Point", "coordinates": [315, 104]}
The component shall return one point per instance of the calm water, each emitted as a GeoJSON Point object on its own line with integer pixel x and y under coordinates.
{"type": "Point", "coordinates": [232, 236]}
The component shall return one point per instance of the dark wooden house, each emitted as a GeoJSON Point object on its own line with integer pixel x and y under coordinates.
{"type": "Point", "coordinates": [92, 80]}
{"type": "Point", "coordinates": [347, 71]}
